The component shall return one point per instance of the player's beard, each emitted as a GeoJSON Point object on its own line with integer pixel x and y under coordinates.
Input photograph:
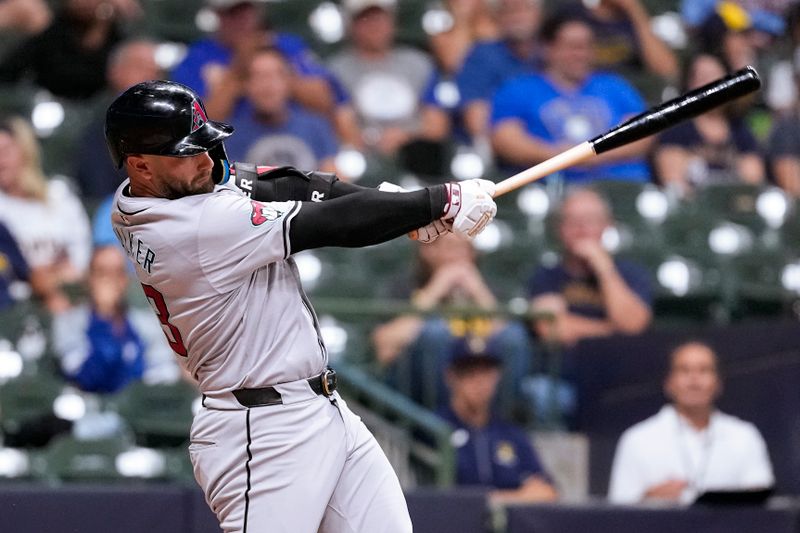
{"type": "Point", "coordinates": [174, 188]}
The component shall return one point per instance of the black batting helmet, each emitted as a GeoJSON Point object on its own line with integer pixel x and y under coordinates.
{"type": "Point", "coordinates": [162, 118]}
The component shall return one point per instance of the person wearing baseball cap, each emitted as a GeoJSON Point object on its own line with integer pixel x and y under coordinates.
{"type": "Point", "coordinates": [490, 452]}
{"type": "Point", "coordinates": [215, 65]}
{"type": "Point", "coordinates": [385, 105]}
{"type": "Point", "coordinates": [354, 8]}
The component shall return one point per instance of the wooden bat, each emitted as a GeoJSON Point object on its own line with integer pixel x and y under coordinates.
{"type": "Point", "coordinates": [652, 121]}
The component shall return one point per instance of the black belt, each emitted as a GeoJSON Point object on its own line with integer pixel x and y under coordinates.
{"type": "Point", "coordinates": [323, 384]}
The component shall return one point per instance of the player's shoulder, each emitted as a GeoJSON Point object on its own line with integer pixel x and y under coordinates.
{"type": "Point", "coordinates": [225, 208]}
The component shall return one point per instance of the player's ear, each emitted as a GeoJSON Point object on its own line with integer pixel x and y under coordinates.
{"type": "Point", "coordinates": [138, 165]}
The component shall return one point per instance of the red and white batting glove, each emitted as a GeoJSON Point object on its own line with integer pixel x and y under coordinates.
{"type": "Point", "coordinates": [470, 206]}
{"type": "Point", "coordinates": [425, 234]}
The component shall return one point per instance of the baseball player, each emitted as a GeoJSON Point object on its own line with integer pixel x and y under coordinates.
{"type": "Point", "coordinates": [274, 447]}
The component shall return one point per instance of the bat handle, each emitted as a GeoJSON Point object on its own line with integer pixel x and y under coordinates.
{"type": "Point", "coordinates": [573, 156]}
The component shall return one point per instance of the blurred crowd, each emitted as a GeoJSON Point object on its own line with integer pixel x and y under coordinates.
{"type": "Point", "coordinates": [493, 85]}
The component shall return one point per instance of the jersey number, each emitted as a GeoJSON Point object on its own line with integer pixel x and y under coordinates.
{"type": "Point", "coordinates": [173, 335]}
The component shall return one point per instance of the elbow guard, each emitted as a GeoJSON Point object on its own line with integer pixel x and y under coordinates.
{"type": "Point", "coordinates": [280, 184]}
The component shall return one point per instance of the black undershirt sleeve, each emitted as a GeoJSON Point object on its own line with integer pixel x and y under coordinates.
{"type": "Point", "coordinates": [364, 217]}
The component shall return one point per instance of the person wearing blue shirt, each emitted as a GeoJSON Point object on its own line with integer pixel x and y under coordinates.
{"type": "Point", "coordinates": [275, 131]}
{"type": "Point", "coordinates": [489, 451]}
{"type": "Point", "coordinates": [104, 345]}
{"type": "Point", "coordinates": [491, 63]}
{"type": "Point", "coordinates": [588, 293]}
{"type": "Point", "coordinates": [537, 116]}
{"type": "Point", "coordinates": [213, 65]}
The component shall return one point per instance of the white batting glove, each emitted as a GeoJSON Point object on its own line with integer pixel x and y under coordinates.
{"type": "Point", "coordinates": [470, 206]}
{"type": "Point", "coordinates": [425, 234]}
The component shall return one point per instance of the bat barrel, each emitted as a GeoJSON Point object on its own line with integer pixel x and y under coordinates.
{"type": "Point", "coordinates": [686, 106]}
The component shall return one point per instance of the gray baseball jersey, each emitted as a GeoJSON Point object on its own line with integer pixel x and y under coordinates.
{"type": "Point", "coordinates": [216, 269]}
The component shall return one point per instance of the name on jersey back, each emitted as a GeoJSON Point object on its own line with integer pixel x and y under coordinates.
{"type": "Point", "coordinates": [136, 249]}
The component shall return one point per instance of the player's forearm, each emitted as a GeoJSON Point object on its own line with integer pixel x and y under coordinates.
{"type": "Point", "coordinates": [365, 218]}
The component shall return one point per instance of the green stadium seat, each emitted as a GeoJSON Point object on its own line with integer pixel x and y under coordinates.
{"type": "Point", "coordinates": [172, 20]}
{"type": "Point", "coordinates": [178, 465]}
{"type": "Point", "coordinates": [26, 404]}
{"type": "Point", "coordinates": [735, 202]}
{"type": "Point", "coordinates": [756, 277]}
{"type": "Point", "coordinates": [70, 459]}
{"type": "Point", "coordinates": [159, 415]}
{"type": "Point", "coordinates": [621, 195]}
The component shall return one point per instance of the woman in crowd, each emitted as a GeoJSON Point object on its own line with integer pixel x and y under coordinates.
{"type": "Point", "coordinates": [44, 216]}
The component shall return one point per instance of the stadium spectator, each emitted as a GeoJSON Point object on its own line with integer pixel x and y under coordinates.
{"type": "Point", "coordinates": [272, 129]}
{"type": "Point", "coordinates": [624, 39]}
{"type": "Point", "coordinates": [736, 31]}
{"type": "Point", "coordinates": [588, 293]}
{"type": "Point", "coordinates": [446, 273]}
{"type": "Point", "coordinates": [385, 84]}
{"type": "Point", "coordinates": [103, 345]}
{"type": "Point", "coordinates": [784, 146]}
{"type": "Point", "coordinates": [216, 65]}
{"type": "Point", "coordinates": [44, 216]}
{"type": "Point", "coordinates": [25, 16]}
{"type": "Point", "coordinates": [14, 269]}
{"type": "Point", "coordinates": [490, 452]}
{"type": "Point", "coordinates": [130, 62]}
{"type": "Point", "coordinates": [472, 22]}
{"type": "Point", "coordinates": [537, 116]}
{"type": "Point", "coordinates": [784, 139]}
{"type": "Point", "coordinates": [489, 64]}
{"type": "Point", "coordinates": [689, 446]}
{"type": "Point", "coordinates": [69, 58]}
{"type": "Point", "coordinates": [713, 147]}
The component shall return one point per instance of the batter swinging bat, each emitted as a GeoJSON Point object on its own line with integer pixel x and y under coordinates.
{"type": "Point", "coordinates": [651, 121]}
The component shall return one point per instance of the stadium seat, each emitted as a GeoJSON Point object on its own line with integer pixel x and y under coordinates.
{"type": "Point", "coordinates": [26, 404]}
{"type": "Point", "coordinates": [735, 202]}
{"type": "Point", "coordinates": [756, 278]}
{"type": "Point", "coordinates": [70, 459]}
{"type": "Point", "coordinates": [178, 465]}
{"type": "Point", "coordinates": [159, 415]}
{"type": "Point", "coordinates": [171, 20]}
{"type": "Point", "coordinates": [621, 195]}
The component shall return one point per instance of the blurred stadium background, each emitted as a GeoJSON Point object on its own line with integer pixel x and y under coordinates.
{"type": "Point", "coordinates": [725, 265]}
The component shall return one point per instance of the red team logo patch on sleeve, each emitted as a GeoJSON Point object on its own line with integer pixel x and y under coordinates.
{"type": "Point", "coordinates": [261, 213]}
{"type": "Point", "coordinates": [198, 116]}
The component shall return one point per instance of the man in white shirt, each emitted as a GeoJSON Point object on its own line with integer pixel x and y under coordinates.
{"type": "Point", "coordinates": [689, 447]}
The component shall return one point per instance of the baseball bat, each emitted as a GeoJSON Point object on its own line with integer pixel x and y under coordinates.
{"type": "Point", "coordinates": [654, 120]}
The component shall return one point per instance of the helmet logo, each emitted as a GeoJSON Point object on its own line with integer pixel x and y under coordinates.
{"type": "Point", "coordinates": [198, 116]}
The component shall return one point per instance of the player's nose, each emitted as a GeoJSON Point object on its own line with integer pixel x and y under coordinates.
{"type": "Point", "coordinates": [204, 161]}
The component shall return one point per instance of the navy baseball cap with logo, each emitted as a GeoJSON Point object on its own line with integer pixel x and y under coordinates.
{"type": "Point", "coordinates": [473, 351]}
